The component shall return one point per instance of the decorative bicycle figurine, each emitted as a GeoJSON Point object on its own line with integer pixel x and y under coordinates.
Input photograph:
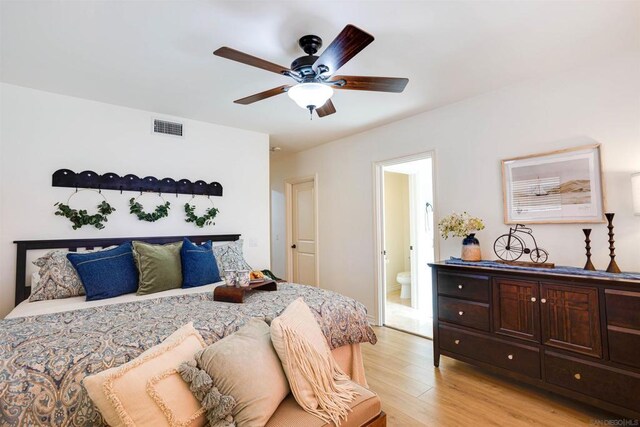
{"type": "Point", "coordinates": [510, 247]}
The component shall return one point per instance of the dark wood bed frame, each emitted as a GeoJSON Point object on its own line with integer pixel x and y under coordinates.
{"type": "Point", "coordinates": [23, 246]}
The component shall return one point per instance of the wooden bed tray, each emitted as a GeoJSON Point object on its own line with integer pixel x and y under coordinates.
{"type": "Point", "coordinates": [23, 246]}
{"type": "Point", "coordinates": [236, 294]}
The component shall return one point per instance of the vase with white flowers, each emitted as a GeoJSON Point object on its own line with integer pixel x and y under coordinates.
{"type": "Point", "coordinates": [463, 225]}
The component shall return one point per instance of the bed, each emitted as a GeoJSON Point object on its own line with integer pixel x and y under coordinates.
{"type": "Point", "coordinates": [48, 347]}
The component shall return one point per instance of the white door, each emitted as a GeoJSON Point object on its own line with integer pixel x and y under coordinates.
{"type": "Point", "coordinates": [303, 236]}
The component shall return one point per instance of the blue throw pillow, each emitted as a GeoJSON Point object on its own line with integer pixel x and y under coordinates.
{"type": "Point", "coordinates": [199, 266]}
{"type": "Point", "coordinates": [106, 274]}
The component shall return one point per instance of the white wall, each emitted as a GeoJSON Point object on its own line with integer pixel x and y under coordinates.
{"type": "Point", "coordinates": [42, 132]}
{"type": "Point", "coordinates": [594, 104]}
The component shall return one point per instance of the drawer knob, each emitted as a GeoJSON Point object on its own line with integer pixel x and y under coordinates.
{"type": "Point", "coordinates": [577, 376]}
{"type": "Point", "coordinates": [533, 299]}
{"type": "Point", "coordinates": [543, 300]}
{"type": "Point", "coordinates": [510, 357]}
{"type": "Point", "coordinates": [460, 286]}
{"type": "Point", "coordinates": [457, 342]}
{"type": "Point", "coordinates": [460, 313]}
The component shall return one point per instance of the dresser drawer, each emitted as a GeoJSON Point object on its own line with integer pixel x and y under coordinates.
{"type": "Point", "coordinates": [514, 357]}
{"type": "Point", "coordinates": [466, 313]}
{"type": "Point", "coordinates": [623, 308]}
{"type": "Point", "coordinates": [602, 382]}
{"type": "Point", "coordinates": [624, 346]}
{"type": "Point", "coordinates": [468, 286]}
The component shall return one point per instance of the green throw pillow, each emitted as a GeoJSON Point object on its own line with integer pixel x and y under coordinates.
{"type": "Point", "coordinates": [159, 267]}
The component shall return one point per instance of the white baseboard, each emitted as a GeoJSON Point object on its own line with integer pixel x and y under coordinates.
{"type": "Point", "coordinates": [372, 320]}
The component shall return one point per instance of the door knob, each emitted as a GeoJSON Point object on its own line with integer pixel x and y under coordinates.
{"type": "Point", "coordinates": [293, 246]}
{"type": "Point", "coordinates": [543, 300]}
{"type": "Point", "coordinates": [460, 313]}
{"type": "Point", "coordinates": [533, 299]}
{"type": "Point", "coordinates": [510, 357]}
{"type": "Point", "coordinates": [577, 376]}
{"type": "Point", "coordinates": [457, 342]}
{"type": "Point", "coordinates": [460, 286]}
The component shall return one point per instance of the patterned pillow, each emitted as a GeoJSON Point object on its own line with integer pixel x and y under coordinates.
{"type": "Point", "coordinates": [58, 278]}
{"type": "Point", "coordinates": [229, 257]}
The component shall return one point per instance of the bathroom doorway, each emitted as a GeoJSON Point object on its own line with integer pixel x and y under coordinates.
{"type": "Point", "coordinates": [405, 200]}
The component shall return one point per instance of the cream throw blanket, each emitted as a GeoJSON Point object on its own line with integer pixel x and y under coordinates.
{"type": "Point", "coordinates": [318, 384]}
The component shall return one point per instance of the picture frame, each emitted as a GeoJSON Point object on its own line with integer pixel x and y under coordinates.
{"type": "Point", "coordinates": [556, 187]}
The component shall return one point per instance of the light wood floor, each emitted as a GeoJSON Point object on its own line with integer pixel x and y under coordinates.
{"type": "Point", "coordinates": [414, 393]}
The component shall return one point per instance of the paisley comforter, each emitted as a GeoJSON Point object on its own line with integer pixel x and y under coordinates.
{"type": "Point", "coordinates": [44, 358]}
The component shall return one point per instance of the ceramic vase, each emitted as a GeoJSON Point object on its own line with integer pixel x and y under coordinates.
{"type": "Point", "coordinates": [471, 248]}
{"type": "Point", "coordinates": [244, 278]}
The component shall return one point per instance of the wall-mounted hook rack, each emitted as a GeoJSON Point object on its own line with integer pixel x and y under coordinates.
{"type": "Point", "coordinates": [130, 182]}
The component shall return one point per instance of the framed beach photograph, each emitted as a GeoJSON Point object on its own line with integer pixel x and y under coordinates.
{"type": "Point", "coordinates": [562, 186]}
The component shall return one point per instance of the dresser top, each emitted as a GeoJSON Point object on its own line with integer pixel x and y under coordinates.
{"type": "Point", "coordinates": [573, 273]}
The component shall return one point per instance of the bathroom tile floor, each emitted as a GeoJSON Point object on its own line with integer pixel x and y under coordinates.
{"type": "Point", "coordinates": [400, 315]}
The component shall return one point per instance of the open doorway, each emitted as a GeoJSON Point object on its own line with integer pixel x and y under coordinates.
{"type": "Point", "coordinates": [407, 241]}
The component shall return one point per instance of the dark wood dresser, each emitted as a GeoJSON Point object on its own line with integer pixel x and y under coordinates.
{"type": "Point", "coordinates": [577, 336]}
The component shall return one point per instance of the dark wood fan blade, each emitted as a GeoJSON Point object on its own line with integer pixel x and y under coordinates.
{"type": "Point", "coordinates": [262, 95]}
{"type": "Point", "coordinates": [326, 109]}
{"type": "Point", "coordinates": [378, 84]}
{"type": "Point", "coordinates": [348, 44]}
{"type": "Point", "coordinates": [245, 58]}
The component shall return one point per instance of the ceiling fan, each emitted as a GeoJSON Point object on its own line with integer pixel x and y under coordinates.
{"type": "Point", "coordinates": [314, 75]}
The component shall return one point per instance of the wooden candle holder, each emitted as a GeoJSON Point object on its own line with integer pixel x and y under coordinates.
{"type": "Point", "coordinates": [613, 267]}
{"type": "Point", "coordinates": [589, 265]}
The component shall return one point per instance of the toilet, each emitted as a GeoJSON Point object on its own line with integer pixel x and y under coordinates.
{"type": "Point", "coordinates": [404, 279]}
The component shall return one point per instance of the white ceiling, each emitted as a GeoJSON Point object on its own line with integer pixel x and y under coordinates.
{"type": "Point", "coordinates": [157, 55]}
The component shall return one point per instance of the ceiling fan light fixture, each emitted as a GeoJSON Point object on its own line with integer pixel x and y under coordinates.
{"type": "Point", "coordinates": [308, 95]}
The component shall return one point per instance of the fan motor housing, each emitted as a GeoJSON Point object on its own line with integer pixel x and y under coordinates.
{"type": "Point", "coordinates": [303, 65]}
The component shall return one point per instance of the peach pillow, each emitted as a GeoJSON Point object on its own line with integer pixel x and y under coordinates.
{"type": "Point", "coordinates": [148, 390]}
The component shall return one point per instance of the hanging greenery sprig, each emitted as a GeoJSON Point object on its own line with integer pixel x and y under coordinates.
{"type": "Point", "coordinates": [80, 217]}
{"type": "Point", "coordinates": [161, 211]}
{"type": "Point", "coordinates": [200, 221]}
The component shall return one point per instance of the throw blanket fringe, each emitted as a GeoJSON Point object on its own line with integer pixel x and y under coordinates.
{"type": "Point", "coordinates": [331, 386]}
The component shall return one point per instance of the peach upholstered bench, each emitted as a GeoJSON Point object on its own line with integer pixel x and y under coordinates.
{"type": "Point", "coordinates": [365, 411]}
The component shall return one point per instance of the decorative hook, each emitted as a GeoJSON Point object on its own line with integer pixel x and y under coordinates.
{"type": "Point", "coordinates": [99, 189]}
{"type": "Point", "coordinates": [121, 189]}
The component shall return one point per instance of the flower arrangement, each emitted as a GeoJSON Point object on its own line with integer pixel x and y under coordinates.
{"type": "Point", "coordinates": [459, 225]}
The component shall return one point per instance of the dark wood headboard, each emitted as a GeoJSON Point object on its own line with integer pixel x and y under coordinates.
{"type": "Point", "coordinates": [23, 291]}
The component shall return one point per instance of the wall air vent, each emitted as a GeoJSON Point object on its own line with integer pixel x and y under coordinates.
{"type": "Point", "coordinates": [165, 127]}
